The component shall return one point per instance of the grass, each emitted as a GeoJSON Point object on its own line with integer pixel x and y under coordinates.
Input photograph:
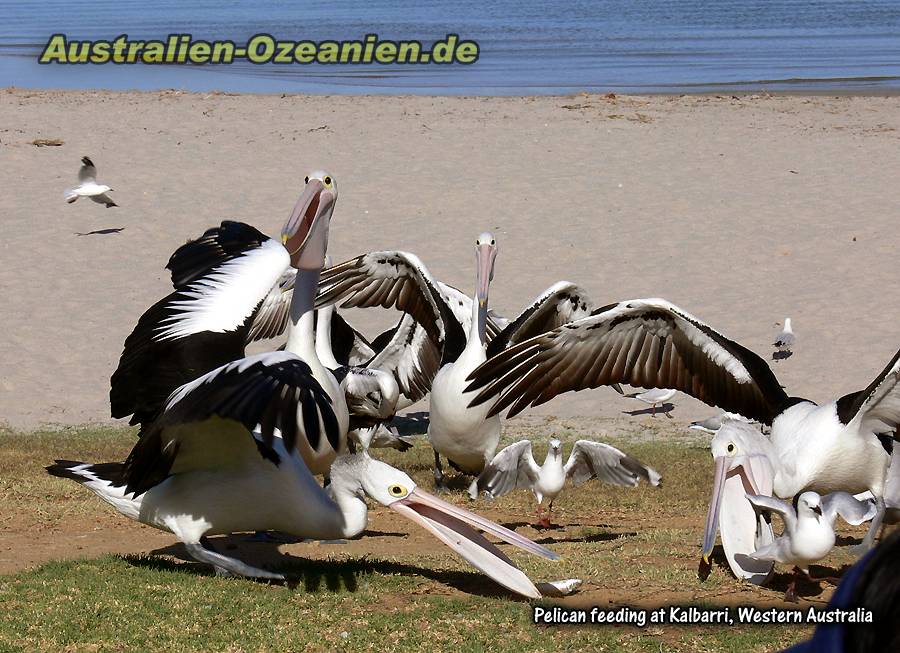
{"type": "Point", "coordinates": [632, 547]}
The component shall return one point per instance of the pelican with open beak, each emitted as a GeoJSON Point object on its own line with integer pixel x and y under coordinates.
{"type": "Point", "coordinates": [742, 468]}
{"type": "Point", "coordinates": [305, 234]}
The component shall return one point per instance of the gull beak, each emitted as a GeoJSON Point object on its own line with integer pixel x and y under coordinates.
{"type": "Point", "coordinates": [817, 510]}
{"type": "Point", "coordinates": [301, 235]}
{"type": "Point", "coordinates": [456, 527]}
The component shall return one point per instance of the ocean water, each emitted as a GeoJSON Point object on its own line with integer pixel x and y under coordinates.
{"type": "Point", "coordinates": [526, 47]}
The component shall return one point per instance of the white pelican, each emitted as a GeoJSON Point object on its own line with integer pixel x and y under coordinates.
{"type": "Point", "coordinates": [222, 456]}
{"type": "Point", "coordinates": [841, 445]}
{"type": "Point", "coordinates": [221, 281]}
{"type": "Point", "coordinates": [514, 467]}
{"type": "Point", "coordinates": [809, 530]}
{"type": "Point", "coordinates": [451, 336]}
{"type": "Point", "coordinates": [88, 186]}
{"type": "Point", "coordinates": [784, 342]}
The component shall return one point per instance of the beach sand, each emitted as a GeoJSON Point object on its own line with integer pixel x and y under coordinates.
{"type": "Point", "coordinates": [741, 210]}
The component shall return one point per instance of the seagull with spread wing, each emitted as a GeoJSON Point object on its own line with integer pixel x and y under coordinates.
{"type": "Point", "coordinates": [809, 529]}
{"type": "Point", "coordinates": [841, 445]}
{"type": "Point", "coordinates": [88, 186]}
{"type": "Point", "coordinates": [514, 467]}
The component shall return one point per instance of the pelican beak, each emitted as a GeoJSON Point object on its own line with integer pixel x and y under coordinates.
{"type": "Point", "coordinates": [303, 235]}
{"type": "Point", "coordinates": [456, 527]}
{"type": "Point", "coordinates": [484, 255]}
{"type": "Point", "coordinates": [712, 516]}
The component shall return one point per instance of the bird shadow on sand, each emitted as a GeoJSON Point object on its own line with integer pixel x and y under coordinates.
{"type": "Point", "coordinates": [411, 423]}
{"type": "Point", "coordinates": [660, 410]}
{"type": "Point", "coordinates": [781, 355]}
{"type": "Point", "coordinates": [315, 575]}
{"type": "Point", "coordinates": [101, 232]}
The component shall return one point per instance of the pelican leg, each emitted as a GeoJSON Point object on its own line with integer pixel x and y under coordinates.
{"type": "Point", "coordinates": [224, 565]}
{"type": "Point", "coordinates": [439, 484]}
{"type": "Point", "coordinates": [869, 540]}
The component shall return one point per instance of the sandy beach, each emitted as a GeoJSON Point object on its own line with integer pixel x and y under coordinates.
{"type": "Point", "coordinates": [742, 210]}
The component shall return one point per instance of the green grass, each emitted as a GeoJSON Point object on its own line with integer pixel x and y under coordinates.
{"type": "Point", "coordinates": [632, 547]}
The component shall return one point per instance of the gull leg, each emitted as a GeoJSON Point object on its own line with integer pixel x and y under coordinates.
{"type": "Point", "coordinates": [546, 521]}
{"type": "Point", "coordinates": [790, 594]}
{"type": "Point", "coordinates": [869, 540]}
{"type": "Point", "coordinates": [653, 411]}
{"type": "Point", "coordinates": [224, 565]}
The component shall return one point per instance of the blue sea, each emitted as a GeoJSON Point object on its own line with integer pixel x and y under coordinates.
{"type": "Point", "coordinates": [526, 47]}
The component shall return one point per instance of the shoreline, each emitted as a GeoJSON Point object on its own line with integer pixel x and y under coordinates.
{"type": "Point", "coordinates": [742, 93]}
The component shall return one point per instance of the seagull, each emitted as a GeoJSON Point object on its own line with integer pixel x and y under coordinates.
{"type": "Point", "coordinates": [714, 423]}
{"type": "Point", "coordinates": [89, 187]}
{"type": "Point", "coordinates": [514, 467]}
{"type": "Point", "coordinates": [784, 342]}
{"type": "Point", "coordinates": [223, 456]}
{"type": "Point", "coordinates": [655, 397]}
{"type": "Point", "coordinates": [842, 444]}
{"type": "Point", "coordinates": [809, 530]}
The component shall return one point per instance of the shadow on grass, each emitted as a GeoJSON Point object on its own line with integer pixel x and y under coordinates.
{"type": "Point", "coordinates": [318, 575]}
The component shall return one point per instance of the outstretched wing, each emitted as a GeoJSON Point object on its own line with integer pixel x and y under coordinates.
{"type": "Point", "coordinates": [234, 411]}
{"type": "Point", "coordinates": [877, 408]}
{"type": "Point", "coordinates": [561, 303]}
{"type": "Point", "coordinates": [203, 324]}
{"type": "Point", "coordinates": [410, 356]}
{"type": "Point", "coordinates": [598, 460]}
{"type": "Point", "coordinates": [87, 172]}
{"type": "Point", "coordinates": [647, 343]}
{"type": "Point", "coordinates": [772, 504]}
{"type": "Point", "coordinates": [852, 510]}
{"type": "Point", "coordinates": [393, 279]}
{"type": "Point", "coordinates": [512, 468]}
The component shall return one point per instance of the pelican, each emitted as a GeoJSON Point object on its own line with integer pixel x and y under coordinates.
{"type": "Point", "coordinates": [88, 186]}
{"type": "Point", "coordinates": [222, 456]}
{"type": "Point", "coordinates": [809, 529]}
{"type": "Point", "coordinates": [841, 445]}
{"type": "Point", "coordinates": [222, 280]}
{"type": "Point", "coordinates": [447, 336]}
{"type": "Point", "coordinates": [784, 342]}
{"type": "Point", "coordinates": [514, 467]}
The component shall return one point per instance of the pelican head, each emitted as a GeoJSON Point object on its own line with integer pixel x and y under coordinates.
{"type": "Point", "coordinates": [454, 526]}
{"type": "Point", "coordinates": [485, 254]}
{"type": "Point", "coordinates": [305, 234]}
{"type": "Point", "coordinates": [742, 453]}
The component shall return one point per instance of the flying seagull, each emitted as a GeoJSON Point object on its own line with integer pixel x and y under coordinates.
{"type": "Point", "coordinates": [88, 186]}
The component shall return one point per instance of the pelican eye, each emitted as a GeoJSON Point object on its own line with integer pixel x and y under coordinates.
{"type": "Point", "coordinates": [327, 181]}
{"type": "Point", "coordinates": [397, 491]}
{"type": "Point", "coordinates": [730, 447]}
{"type": "Point", "coordinates": [306, 181]}
{"type": "Point", "coordinates": [493, 242]}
